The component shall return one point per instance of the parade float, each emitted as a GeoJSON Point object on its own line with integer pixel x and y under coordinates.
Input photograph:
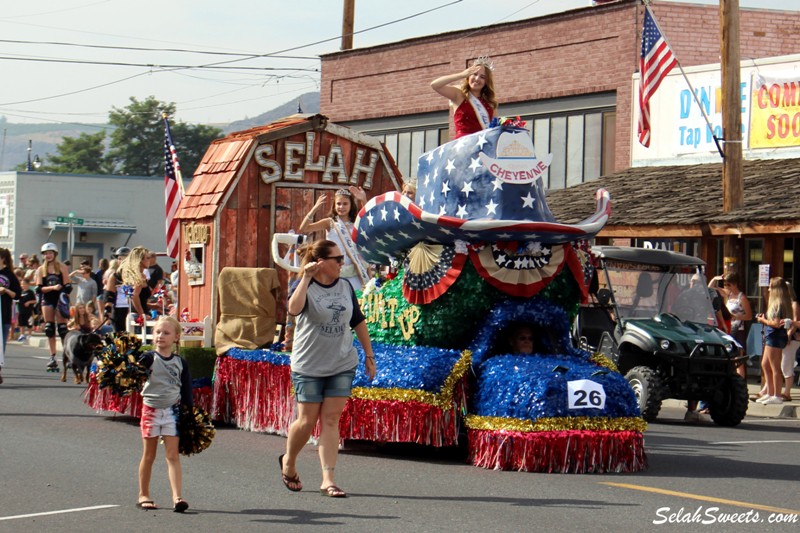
{"type": "Point", "coordinates": [477, 252]}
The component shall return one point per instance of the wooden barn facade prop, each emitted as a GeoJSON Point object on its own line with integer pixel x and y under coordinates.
{"type": "Point", "coordinates": [258, 182]}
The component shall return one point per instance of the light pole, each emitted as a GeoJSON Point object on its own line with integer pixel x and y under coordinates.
{"type": "Point", "coordinates": [33, 163]}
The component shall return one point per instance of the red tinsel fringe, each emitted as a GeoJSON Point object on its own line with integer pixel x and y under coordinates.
{"type": "Point", "coordinates": [253, 396]}
{"type": "Point", "coordinates": [575, 452]}
{"type": "Point", "coordinates": [104, 400]}
{"type": "Point", "coordinates": [396, 421]}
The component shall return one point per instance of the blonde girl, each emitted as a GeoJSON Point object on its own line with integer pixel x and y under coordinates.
{"type": "Point", "coordinates": [168, 386]}
{"type": "Point", "coordinates": [338, 227]}
{"type": "Point", "coordinates": [779, 309]}
{"type": "Point", "coordinates": [52, 279]}
{"type": "Point", "coordinates": [132, 271]}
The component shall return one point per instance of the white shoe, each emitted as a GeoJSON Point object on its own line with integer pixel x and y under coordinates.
{"type": "Point", "coordinates": [772, 400]}
{"type": "Point", "coordinates": [763, 399]}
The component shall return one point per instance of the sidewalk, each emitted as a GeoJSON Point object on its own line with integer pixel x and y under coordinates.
{"type": "Point", "coordinates": [784, 410]}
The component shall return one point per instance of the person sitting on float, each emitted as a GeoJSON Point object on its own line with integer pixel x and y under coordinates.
{"type": "Point", "coordinates": [338, 227]}
{"type": "Point", "coordinates": [473, 102]}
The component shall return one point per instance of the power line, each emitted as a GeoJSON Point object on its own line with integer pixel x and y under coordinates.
{"type": "Point", "coordinates": [143, 49]}
{"type": "Point", "coordinates": [149, 65]}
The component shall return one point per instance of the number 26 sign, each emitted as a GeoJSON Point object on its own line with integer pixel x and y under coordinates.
{"type": "Point", "coordinates": [586, 394]}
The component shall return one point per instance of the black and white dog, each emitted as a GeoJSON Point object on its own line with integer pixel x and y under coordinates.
{"type": "Point", "coordinates": [79, 350]}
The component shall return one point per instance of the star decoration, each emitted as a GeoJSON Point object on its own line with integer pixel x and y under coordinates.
{"type": "Point", "coordinates": [462, 211]}
{"type": "Point", "coordinates": [445, 189]}
{"type": "Point", "coordinates": [527, 201]}
{"type": "Point", "coordinates": [475, 165]}
{"type": "Point", "coordinates": [481, 141]}
{"type": "Point", "coordinates": [497, 184]}
{"type": "Point", "coordinates": [467, 188]}
{"type": "Point", "coordinates": [491, 207]}
{"type": "Point", "coordinates": [383, 213]}
{"type": "Point", "coordinates": [371, 218]}
{"type": "Point", "coordinates": [450, 166]}
{"type": "Point", "coordinates": [396, 214]}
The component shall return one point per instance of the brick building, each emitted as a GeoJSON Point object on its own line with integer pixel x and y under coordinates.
{"type": "Point", "coordinates": [568, 74]}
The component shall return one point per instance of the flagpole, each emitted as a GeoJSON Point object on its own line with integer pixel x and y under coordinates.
{"type": "Point", "coordinates": [178, 174]}
{"type": "Point", "coordinates": [694, 94]}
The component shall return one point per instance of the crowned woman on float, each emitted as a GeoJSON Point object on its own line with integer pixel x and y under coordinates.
{"type": "Point", "coordinates": [338, 227]}
{"type": "Point", "coordinates": [473, 100]}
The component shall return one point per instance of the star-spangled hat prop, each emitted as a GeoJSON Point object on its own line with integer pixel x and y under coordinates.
{"type": "Point", "coordinates": [480, 188]}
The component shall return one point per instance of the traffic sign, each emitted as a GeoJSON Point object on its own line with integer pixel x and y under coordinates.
{"type": "Point", "coordinates": [70, 220]}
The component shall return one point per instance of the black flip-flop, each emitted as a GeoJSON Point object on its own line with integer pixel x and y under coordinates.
{"type": "Point", "coordinates": [180, 505]}
{"type": "Point", "coordinates": [289, 479]}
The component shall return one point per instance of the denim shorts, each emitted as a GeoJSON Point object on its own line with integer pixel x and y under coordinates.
{"type": "Point", "coordinates": [777, 338]}
{"type": "Point", "coordinates": [309, 389]}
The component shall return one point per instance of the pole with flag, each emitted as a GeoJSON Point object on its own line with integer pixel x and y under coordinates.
{"type": "Point", "coordinates": [655, 62]}
{"type": "Point", "coordinates": [173, 190]}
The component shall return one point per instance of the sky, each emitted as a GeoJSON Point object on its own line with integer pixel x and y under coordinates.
{"type": "Point", "coordinates": [36, 89]}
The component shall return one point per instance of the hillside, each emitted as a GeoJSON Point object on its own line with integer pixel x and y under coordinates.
{"type": "Point", "coordinates": [45, 137]}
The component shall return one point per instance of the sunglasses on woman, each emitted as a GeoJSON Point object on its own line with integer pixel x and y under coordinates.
{"type": "Point", "coordinates": [338, 258]}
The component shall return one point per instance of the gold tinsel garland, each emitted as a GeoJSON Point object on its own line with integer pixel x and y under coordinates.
{"type": "Point", "coordinates": [602, 360]}
{"type": "Point", "coordinates": [564, 423]}
{"type": "Point", "coordinates": [442, 400]}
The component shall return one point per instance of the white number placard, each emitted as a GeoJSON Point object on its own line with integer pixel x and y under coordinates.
{"type": "Point", "coordinates": [586, 394]}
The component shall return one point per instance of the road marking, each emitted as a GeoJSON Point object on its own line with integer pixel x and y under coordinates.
{"type": "Point", "coordinates": [701, 498]}
{"type": "Point", "coordinates": [757, 442]}
{"type": "Point", "coordinates": [76, 510]}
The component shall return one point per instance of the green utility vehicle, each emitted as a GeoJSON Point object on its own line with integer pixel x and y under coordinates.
{"type": "Point", "coordinates": [651, 313]}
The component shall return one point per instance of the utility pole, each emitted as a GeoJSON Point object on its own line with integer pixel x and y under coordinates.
{"type": "Point", "coordinates": [347, 24]}
{"type": "Point", "coordinates": [732, 188]}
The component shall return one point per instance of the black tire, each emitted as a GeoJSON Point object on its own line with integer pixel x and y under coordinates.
{"type": "Point", "coordinates": [732, 408]}
{"type": "Point", "coordinates": [646, 386]}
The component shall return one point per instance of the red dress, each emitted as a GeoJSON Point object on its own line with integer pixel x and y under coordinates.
{"type": "Point", "coordinates": [465, 120]}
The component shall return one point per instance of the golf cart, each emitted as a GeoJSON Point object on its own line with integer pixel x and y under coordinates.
{"type": "Point", "coordinates": [651, 313]}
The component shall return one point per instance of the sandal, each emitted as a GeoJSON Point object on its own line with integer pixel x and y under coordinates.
{"type": "Point", "coordinates": [291, 482]}
{"type": "Point", "coordinates": [147, 505]}
{"type": "Point", "coordinates": [333, 492]}
{"type": "Point", "coordinates": [784, 397]}
{"type": "Point", "coordinates": [180, 505]}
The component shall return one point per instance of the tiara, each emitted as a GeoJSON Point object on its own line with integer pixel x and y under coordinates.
{"type": "Point", "coordinates": [484, 61]}
{"type": "Point", "coordinates": [343, 192]}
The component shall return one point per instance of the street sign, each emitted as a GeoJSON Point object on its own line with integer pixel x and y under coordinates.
{"type": "Point", "coordinates": [70, 220]}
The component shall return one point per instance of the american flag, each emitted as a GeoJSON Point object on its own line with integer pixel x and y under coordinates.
{"type": "Point", "coordinates": [172, 191]}
{"type": "Point", "coordinates": [654, 64]}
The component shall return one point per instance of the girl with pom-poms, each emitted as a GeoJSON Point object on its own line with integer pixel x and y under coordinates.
{"type": "Point", "coordinates": [168, 386]}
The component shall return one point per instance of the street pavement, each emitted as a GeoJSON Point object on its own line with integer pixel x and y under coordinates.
{"type": "Point", "coordinates": [65, 468]}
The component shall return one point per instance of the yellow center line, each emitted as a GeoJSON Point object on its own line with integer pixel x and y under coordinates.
{"type": "Point", "coordinates": [701, 498]}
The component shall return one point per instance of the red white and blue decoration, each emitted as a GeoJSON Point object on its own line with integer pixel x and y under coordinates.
{"type": "Point", "coordinates": [484, 187]}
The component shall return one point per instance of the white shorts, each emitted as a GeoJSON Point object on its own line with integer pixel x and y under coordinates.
{"type": "Point", "coordinates": [787, 358]}
{"type": "Point", "coordinates": [159, 422]}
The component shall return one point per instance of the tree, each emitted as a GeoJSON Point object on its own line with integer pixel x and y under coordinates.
{"type": "Point", "coordinates": [84, 154]}
{"type": "Point", "coordinates": [137, 143]}
{"type": "Point", "coordinates": [138, 138]}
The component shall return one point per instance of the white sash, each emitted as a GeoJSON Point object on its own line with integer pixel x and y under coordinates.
{"type": "Point", "coordinates": [480, 110]}
{"type": "Point", "coordinates": [350, 249]}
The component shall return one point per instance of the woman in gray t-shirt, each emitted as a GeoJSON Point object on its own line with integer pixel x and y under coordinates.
{"type": "Point", "coordinates": [323, 359]}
